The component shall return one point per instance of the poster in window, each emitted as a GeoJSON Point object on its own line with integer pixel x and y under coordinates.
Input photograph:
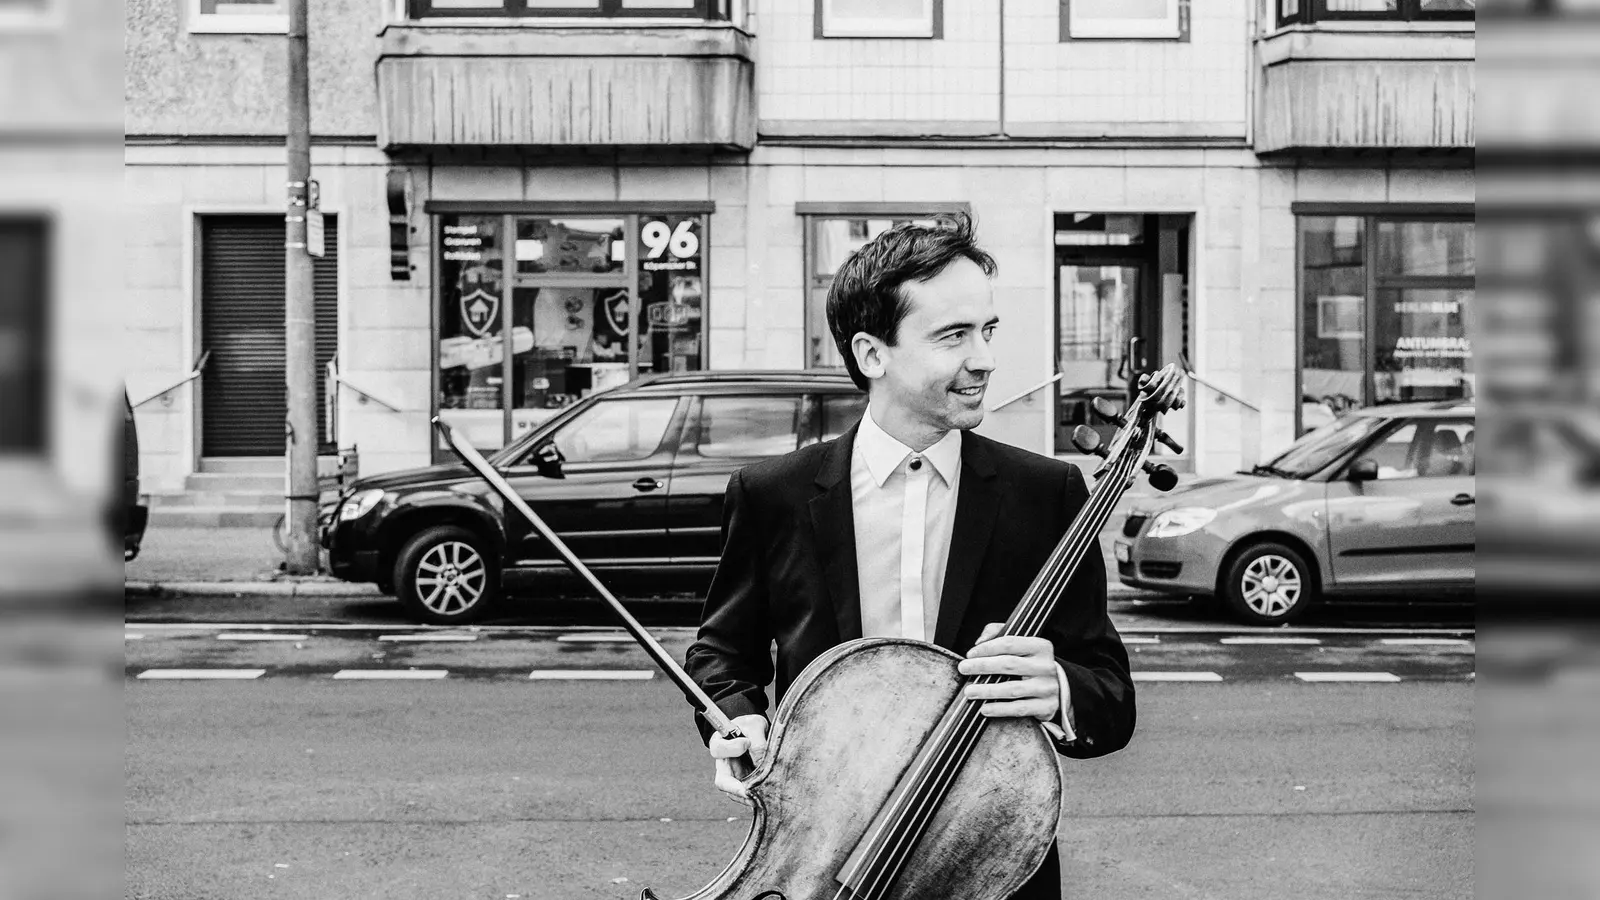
{"type": "Point", "coordinates": [1339, 317]}
{"type": "Point", "coordinates": [671, 293]}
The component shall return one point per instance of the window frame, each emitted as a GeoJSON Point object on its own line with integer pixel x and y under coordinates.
{"type": "Point", "coordinates": [934, 30]}
{"type": "Point", "coordinates": [1375, 282]}
{"type": "Point", "coordinates": [1173, 28]}
{"type": "Point", "coordinates": [810, 215]}
{"type": "Point", "coordinates": [200, 22]}
{"type": "Point", "coordinates": [604, 10]}
{"type": "Point", "coordinates": [1406, 11]}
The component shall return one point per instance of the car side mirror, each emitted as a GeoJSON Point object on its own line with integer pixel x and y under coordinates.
{"type": "Point", "coordinates": [548, 459]}
{"type": "Point", "coordinates": [1364, 469]}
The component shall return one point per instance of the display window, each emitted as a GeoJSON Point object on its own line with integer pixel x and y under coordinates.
{"type": "Point", "coordinates": [1386, 311]}
{"type": "Point", "coordinates": [537, 311]}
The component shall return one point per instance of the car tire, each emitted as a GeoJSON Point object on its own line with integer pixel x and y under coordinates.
{"type": "Point", "coordinates": [1268, 584]}
{"type": "Point", "coordinates": [445, 575]}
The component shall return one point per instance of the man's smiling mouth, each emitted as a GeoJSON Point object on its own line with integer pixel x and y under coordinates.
{"type": "Point", "coordinates": [969, 392]}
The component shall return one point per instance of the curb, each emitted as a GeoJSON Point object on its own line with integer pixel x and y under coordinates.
{"type": "Point", "coordinates": [330, 590]}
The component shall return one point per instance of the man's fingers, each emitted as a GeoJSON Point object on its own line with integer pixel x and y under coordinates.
{"type": "Point", "coordinates": [991, 631]}
{"type": "Point", "coordinates": [1027, 666]}
{"type": "Point", "coordinates": [728, 784]}
{"type": "Point", "coordinates": [1017, 709]}
{"type": "Point", "coordinates": [1021, 689]}
{"type": "Point", "coordinates": [1012, 645]}
{"type": "Point", "coordinates": [722, 748]}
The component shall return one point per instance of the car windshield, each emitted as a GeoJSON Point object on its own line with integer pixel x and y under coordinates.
{"type": "Point", "coordinates": [1316, 449]}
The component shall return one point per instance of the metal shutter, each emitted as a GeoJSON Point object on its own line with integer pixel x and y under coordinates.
{"type": "Point", "coordinates": [24, 303]}
{"type": "Point", "coordinates": [245, 400]}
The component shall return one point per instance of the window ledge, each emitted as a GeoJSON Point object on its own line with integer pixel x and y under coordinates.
{"type": "Point", "coordinates": [1316, 43]}
{"type": "Point", "coordinates": [574, 23]}
{"type": "Point", "coordinates": [1426, 27]}
{"type": "Point", "coordinates": [203, 24]}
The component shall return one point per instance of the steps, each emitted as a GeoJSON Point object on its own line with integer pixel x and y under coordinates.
{"type": "Point", "coordinates": [227, 492]}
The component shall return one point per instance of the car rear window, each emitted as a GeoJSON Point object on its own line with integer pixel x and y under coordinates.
{"type": "Point", "coordinates": [840, 413]}
{"type": "Point", "coordinates": [748, 426]}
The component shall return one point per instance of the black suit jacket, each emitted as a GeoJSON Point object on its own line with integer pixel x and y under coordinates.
{"type": "Point", "coordinates": [788, 574]}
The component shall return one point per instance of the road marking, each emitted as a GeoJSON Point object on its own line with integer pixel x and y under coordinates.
{"type": "Point", "coordinates": [390, 674]}
{"type": "Point", "coordinates": [1140, 640]}
{"type": "Point", "coordinates": [1428, 642]}
{"type": "Point", "coordinates": [265, 636]}
{"type": "Point", "coordinates": [1176, 676]}
{"type": "Point", "coordinates": [591, 675]}
{"type": "Point", "coordinates": [1383, 677]}
{"type": "Point", "coordinates": [595, 639]}
{"type": "Point", "coordinates": [133, 637]}
{"type": "Point", "coordinates": [1271, 640]}
{"type": "Point", "coordinates": [428, 638]}
{"type": "Point", "coordinates": [201, 674]}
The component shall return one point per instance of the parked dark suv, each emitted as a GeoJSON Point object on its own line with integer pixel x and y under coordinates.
{"type": "Point", "coordinates": [631, 478]}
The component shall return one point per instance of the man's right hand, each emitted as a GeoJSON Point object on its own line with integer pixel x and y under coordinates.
{"type": "Point", "coordinates": [754, 742]}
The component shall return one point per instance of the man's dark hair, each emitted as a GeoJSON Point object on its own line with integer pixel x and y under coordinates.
{"type": "Point", "coordinates": [868, 292]}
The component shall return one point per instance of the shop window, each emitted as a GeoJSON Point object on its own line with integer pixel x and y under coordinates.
{"type": "Point", "coordinates": [1306, 11]}
{"type": "Point", "coordinates": [587, 9]}
{"type": "Point", "coordinates": [239, 16]}
{"type": "Point", "coordinates": [833, 232]}
{"type": "Point", "coordinates": [1386, 311]}
{"type": "Point", "coordinates": [1125, 19]}
{"type": "Point", "coordinates": [879, 18]}
{"type": "Point", "coordinates": [537, 312]}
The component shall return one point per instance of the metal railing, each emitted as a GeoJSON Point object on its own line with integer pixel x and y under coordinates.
{"type": "Point", "coordinates": [199, 367]}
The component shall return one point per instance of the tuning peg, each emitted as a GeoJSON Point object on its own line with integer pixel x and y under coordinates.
{"type": "Point", "coordinates": [1087, 441]}
{"type": "Point", "coordinates": [1166, 441]}
{"type": "Point", "coordinates": [1162, 477]}
{"type": "Point", "coordinates": [1103, 408]}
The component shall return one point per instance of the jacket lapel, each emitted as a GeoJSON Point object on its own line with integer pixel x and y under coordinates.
{"type": "Point", "coordinates": [833, 524]}
{"type": "Point", "coordinates": [977, 503]}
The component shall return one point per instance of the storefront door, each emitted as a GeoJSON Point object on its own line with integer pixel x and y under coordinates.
{"type": "Point", "coordinates": [1120, 309]}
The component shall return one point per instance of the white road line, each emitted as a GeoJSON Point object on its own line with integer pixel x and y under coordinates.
{"type": "Point", "coordinates": [1176, 676]}
{"type": "Point", "coordinates": [595, 639]}
{"type": "Point", "coordinates": [201, 674]}
{"type": "Point", "coordinates": [1428, 642]}
{"type": "Point", "coordinates": [1140, 640]}
{"type": "Point", "coordinates": [1270, 640]}
{"type": "Point", "coordinates": [391, 674]}
{"type": "Point", "coordinates": [1383, 677]}
{"type": "Point", "coordinates": [133, 637]}
{"type": "Point", "coordinates": [263, 636]}
{"type": "Point", "coordinates": [429, 638]}
{"type": "Point", "coordinates": [591, 675]}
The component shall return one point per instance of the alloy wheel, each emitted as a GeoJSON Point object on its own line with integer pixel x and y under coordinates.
{"type": "Point", "coordinates": [1271, 585]}
{"type": "Point", "coordinates": [451, 578]}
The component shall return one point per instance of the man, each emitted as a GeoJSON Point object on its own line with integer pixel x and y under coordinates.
{"type": "Point", "coordinates": [910, 526]}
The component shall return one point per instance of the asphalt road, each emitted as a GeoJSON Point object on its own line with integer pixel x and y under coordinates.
{"type": "Point", "coordinates": [469, 778]}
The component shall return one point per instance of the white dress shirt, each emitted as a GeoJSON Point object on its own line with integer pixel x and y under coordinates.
{"type": "Point", "coordinates": [904, 505]}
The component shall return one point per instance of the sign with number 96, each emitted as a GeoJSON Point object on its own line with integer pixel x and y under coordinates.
{"type": "Point", "coordinates": [658, 238]}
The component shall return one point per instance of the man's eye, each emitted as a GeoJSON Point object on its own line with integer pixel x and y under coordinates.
{"type": "Point", "coordinates": [956, 336]}
{"type": "Point", "coordinates": [988, 333]}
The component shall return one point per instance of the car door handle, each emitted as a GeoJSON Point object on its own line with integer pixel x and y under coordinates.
{"type": "Point", "coordinates": [647, 484]}
{"type": "Point", "coordinates": [1463, 500]}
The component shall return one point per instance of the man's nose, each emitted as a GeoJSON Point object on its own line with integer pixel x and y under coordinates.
{"type": "Point", "coordinates": [982, 359]}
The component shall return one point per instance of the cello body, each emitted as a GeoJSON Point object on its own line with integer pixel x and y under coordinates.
{"type": "Point", "coordinates": [842, 738]}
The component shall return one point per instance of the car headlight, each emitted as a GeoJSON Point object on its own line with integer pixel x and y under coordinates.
{"type": "Point", "coordinates": [1177, 522]}
{"type": "Point", "coordinates": [359, 504]}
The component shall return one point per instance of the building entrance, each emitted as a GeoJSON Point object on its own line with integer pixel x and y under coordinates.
{"type": "Point", "coordinates": [1121, 311]}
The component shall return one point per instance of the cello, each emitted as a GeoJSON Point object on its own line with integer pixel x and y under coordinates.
{"type": "Point", "coordinates": [880, 780]}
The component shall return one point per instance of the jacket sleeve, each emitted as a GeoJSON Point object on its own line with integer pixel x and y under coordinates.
{"type": "Point", "coordinates": [1090, 651]}
{"type": "Point", "coordinates": [731, 657]}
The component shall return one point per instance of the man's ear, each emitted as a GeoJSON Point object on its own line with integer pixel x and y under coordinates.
{"type": "Point", "coordinates": [869, 354]}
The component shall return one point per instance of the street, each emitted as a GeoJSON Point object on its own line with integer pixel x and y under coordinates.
{"type": "Point", "coordinates": [341, 758]}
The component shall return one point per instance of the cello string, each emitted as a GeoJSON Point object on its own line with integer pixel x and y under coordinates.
{"type": "Point", "coordinates": [953, 744]}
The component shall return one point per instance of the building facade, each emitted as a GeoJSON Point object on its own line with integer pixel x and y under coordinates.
{"type": "Point", "coordinates": [528, 201]}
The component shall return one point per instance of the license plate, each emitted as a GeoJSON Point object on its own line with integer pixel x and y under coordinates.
{"type": "Point", "coordinates": [1124, 552]}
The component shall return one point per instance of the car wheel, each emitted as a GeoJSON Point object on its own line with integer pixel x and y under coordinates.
{"type": "Point", "coordinates": [1269, 584]}
{"type": "Point", "coordinates": [444, 576]}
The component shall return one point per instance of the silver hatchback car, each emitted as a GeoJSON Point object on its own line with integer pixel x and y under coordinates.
{"type": "Point", "coordinates": [1380, 501]}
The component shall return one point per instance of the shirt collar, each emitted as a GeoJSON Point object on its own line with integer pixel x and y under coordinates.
{"type": "Point", "coordinates": [883, 453]}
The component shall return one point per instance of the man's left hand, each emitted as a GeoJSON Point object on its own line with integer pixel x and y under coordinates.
{"type": "Point", "coordinates": [1034, 692]}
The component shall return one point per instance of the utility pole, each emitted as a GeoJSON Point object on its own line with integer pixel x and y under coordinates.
{"type": "Point", "coordinates": [301, 554]}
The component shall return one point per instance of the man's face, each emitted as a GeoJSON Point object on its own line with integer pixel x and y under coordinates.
{"type": "Point", "coordinates": [935, 374]}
